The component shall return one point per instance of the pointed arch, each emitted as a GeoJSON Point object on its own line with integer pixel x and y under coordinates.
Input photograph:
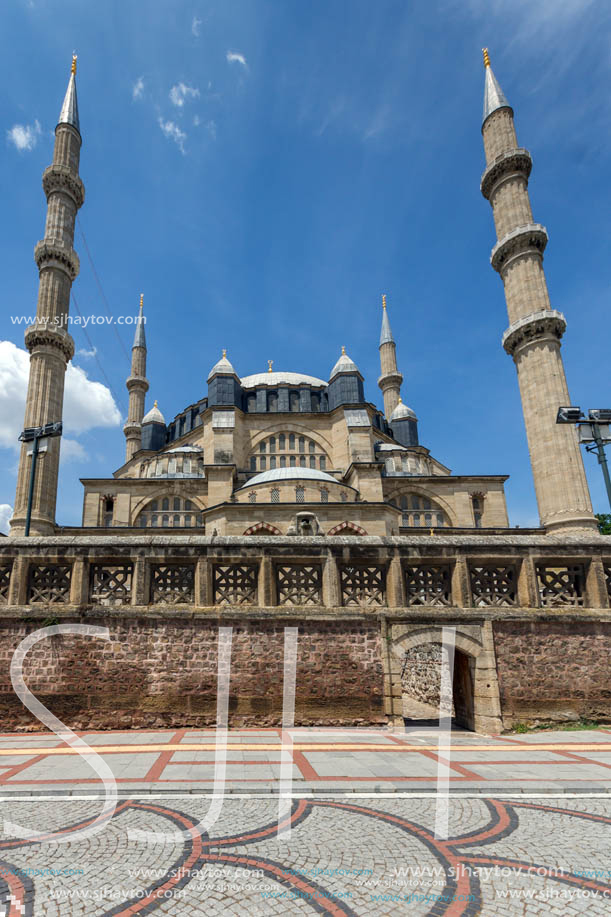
{"type": "Point", "coordinates": [346, 527]}
{"type": "Point", "coordinates": [263, 528]}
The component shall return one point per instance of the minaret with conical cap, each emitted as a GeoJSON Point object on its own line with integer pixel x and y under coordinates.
{"type": "Point", "coordinates": [391, 379]}
{"type": "Point", "coordinates": [137, 386]}
{"type": "Point", "coordinates": [535, 329]}
{"type": "Point", "coordinates": [50, 346]}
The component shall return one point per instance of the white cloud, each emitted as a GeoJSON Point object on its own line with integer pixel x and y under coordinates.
{"type": "Point", "coordinates": [196, 121]}
{"type": "Point", "coordinates": [87, 404]}
{"type": "Point", "coordinates": [24, 137]}
{"type": "Point", "coordinates": [236, 57]}
{"type": "Point", "coordinates": [173, 132]}
{"type": "Point", "coordinates": [6, 513]}
{"type": "Point", "coordinates": [196, 26]}
{"type": "Point", "coordinates": [180, 93]}
{"type": "Point", "coordinates": [72, 451]}
{"type": "Point", "coordinates": [87, 353]}
{"type": "Point", "coordinates": [138, 89]}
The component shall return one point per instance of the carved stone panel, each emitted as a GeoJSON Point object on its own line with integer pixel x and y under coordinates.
{"type": "Point", "coordinates": [299, 585]}
{"type": "Point", "coordinates": [363, 585]}
{"type": "Point", "coordinates": [428, 584]}
{"type": "Point", "coordinates": [561, 585]}
{"type": "Point", "coordinates": [235, 584]}
{"type": "Point", "coordinates": [111, 584]}
{"type": "Point", "coordinates": [607, 568]}
{"type": "Point", "coordinates": [49, 583]}
{"type": "Point", "coordinates": [5, 581]}
{"type": "Point", "coordinates": [494, 585]}
{"type": "Point", "coordinates": [172, 583]}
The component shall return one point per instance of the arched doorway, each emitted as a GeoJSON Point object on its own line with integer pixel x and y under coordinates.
{"type": "Point", "coordinates": [421, 673]}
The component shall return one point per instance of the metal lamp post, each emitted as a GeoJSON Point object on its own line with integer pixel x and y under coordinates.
{"type": "Point", "coordinates": [594, 432]}
{"type": "Point", "coordinates": [34, 435]}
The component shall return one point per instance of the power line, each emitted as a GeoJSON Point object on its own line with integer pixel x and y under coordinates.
{"type": "Point", "coordinates": [94, 353]}
{"type": "Point", "coordinates": [103, 296]}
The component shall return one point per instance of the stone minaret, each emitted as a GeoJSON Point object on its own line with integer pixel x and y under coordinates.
{"type": "Point", "coordinates": [137, 386]}
{"type": "Point", "coordinates": [391, 379]}
{"type": "Point", "coordinates": [50, 346]}
{"type": "Point", "coordinates": [535, 329]}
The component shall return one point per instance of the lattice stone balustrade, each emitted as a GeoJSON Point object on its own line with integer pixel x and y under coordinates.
{"type": "Point", "coordinates": [49, 584]}
{"type": "Point", "coordinates": [111, 584]}
{"type": "Point", "coordinates": [492, 585]}
{"type": "Point", "coordinates": [299, 585]}
{"type": "Point", "coordinates": [428, 584]}
{"type": "Point", "coordinates": [363, 585]}
{"type": "Point", "coordinates": [5, 582]}
{"type": "Point", "coordinates": [235, 584]}
{"type": "Point", "coordinates": [561, 585]}
{"type": "Point", "coordinates": [173, 583]}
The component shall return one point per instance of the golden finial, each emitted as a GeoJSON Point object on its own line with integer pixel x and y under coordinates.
{"type": "Point", "coordinates": [154, 404]}
{"type": "Point", "coordinates": [141, 301]}
{"type": "Point", "coordinates": [486, 57]}
{"type": "Point", "coordinates": [270, 363]}
{"type": "Point", "coordinates": [73, 67]}
{"type": "Point", "coordinates": [431, 532]}
{"type": "Point", "coordinates": [400, 400]}
{"type": "Point", "coordinates": [343, 350]}
{"type": "Point", "coordinates": [224, 353]}
{"type": "Point", "coordinates": [383, 300]}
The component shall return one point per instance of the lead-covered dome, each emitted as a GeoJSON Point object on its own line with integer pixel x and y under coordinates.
{"type": "Point", "coordinates": [343, 365]}
{"type": "Point", "coordinates": [223, 367]}
{"type": "Point", "coordinates": [290, 474]}
{"type": "Point", "coordinates": [402, 412]}
{"type": "Point", "coordinates": [154, 416]}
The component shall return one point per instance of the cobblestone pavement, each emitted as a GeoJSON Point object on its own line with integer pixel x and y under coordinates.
{"type": "Point", "coordinates": [348, 855]}
{"type": "Point", "coordinates": [341, 760]}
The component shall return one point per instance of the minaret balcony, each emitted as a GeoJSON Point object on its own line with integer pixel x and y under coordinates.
{"type": "Point", "coordinates": [532, 237]}
{"type": "Point", "coordinates": [63, 179]}
{"type": "Point", "coordinates": [534, 327]}
{"type": "Point", "coordinates": [512, 162]}
{"type": "Point", "coordinates": [46, 334]}
{"type": "Point", "coordinates": [55, 253]}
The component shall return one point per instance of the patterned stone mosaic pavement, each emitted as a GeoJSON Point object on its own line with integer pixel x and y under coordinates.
{"type": "Point", "coordinates": [344, 856]}
{"type": "Point", "coordinates": [340, 760]}
{"type": "Point", "coordinates": [359, 831]}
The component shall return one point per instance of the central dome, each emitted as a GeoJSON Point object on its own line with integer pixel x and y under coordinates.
{"type": "Point", "coordinates": [280, 379]}
{"type": "Point", "coordinates": [290, 474]}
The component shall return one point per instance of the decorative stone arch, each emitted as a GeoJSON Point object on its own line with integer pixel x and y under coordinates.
{"type": "Point", "coordinates": [474, 643]}
{"type": "Point", "coordinates": [407, 487]}
{"type": "Point", "coordinates": [299, 429]}
{"type": "Point", "coordinates": [263, 528]}
{"type": "Point", "coordinates": [345, 527]}
{"type": "Point", "coordinates": [141, 505]}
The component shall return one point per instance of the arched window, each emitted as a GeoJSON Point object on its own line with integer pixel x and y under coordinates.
{"type": "Point", "coordinates": [312, 461]}
{"type": "Point", "coordinates": [413, 504]}
{"type": "Point", "coordinates": [153, 506]}
{"type": "Point", "coordinates": [302, 461]}
{"type": "Point", "coordinates": [302, 443]}
{"type": "Point", "coordinates": [272, 444]}
{"type": "Point", "coordinates": [262, 463]}
{"type": "Point", "coordinates": [272, 461]}
{"type": "Point", "coordinates": [322, 463]}
{"type": "Point", "coordinates": [165, 503]}
{"type": "Point", "coordinates": [165, 521]}
{"type": "Point", "coordinates": [262, 446]}
{"type": "Point", "coordinates": [344, 497]}
{"type": "Point", "coordinates": [253, 463]}
{"type": "Point", "coordinates": [188, 504]}
{"type": "Point", "coordinates": [275, 495]}
{"type": "Point", "coordinates": [291, 440]}
{"type": "Point", "coordinates": [282, 442]}
{"type": "Point", "coordinates": [324, 495]}
{"type": "Point", "coordinates": [252, 497]}
{"type": "Point", "coordinates": [293, 460]}
{"type": "Point", "coordinates": [300, 495]}
{"type": "Point", "coordinates": [311, 446]}
{"type": "Point", "coordinates": [176, 503]}
{"type": "Point", "coordinates": [283, 461]}
{"type": "Point", "coordinates": [176, 520]}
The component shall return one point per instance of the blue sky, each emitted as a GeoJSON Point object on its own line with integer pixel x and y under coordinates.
{"type": "Point", "coordinates": [264, 171]}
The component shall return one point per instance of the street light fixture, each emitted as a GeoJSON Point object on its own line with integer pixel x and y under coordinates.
{"type": "Point", "coordinates": [594, 432]}
{"type": "Point", "coordinates": [34, 435]}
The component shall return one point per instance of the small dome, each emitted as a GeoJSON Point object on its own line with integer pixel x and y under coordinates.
{"type": "Point", "coordinates": [280, 378]}
{"type": "Point", "coordinates": [154, 416]}
{"type": "Point", "coordinates": [289, 474]}
{"type": "Point", "coordinates": [402, 412]}
{"type": "Point", "coordinates": [223, 367]}
{"type": "Point", "coordinates": [343, 365]}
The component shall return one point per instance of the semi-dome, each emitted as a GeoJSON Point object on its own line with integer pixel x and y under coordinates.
{"type": "Point", "coordinates": [290, 474]}
{"type": "Point", "coordinates": [402, 412]}
{"type": "Point", "coordinates": [343, 365]}
{"type": "Point", "coordinates": [280, 378]}
{"type": "Point", "coordinates": [223, 367]}
{"type": "Point", "coordinates": [154, 416]}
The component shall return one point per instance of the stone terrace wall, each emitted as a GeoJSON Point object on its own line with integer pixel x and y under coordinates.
{"type": "Point", "coordinates": [553, 670]}
{"type": "Point", "coordinates": [164, 673]}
